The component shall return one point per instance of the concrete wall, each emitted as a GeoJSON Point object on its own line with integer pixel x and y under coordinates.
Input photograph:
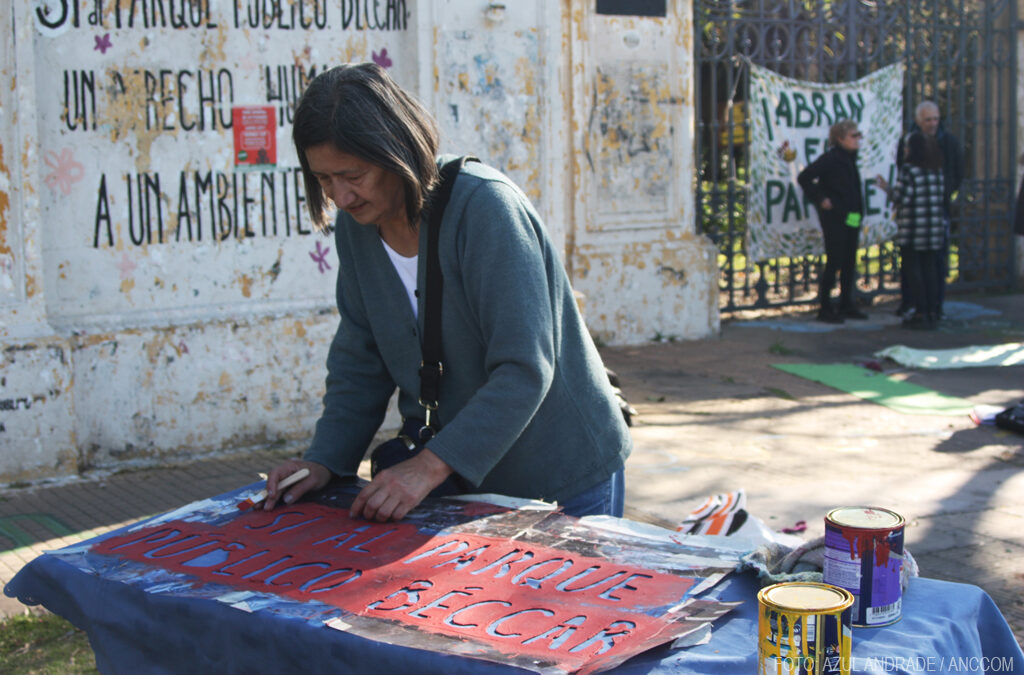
{"type": "Point", "coordinates": [635, 252]}
{"type": "Point", "coordinates": [157, 300]}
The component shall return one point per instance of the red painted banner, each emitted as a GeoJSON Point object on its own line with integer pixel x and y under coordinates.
{"type": "Point", "coordinates": [515, 600]}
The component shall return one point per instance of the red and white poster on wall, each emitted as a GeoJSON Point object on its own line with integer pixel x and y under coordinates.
{"type": "Point", "coordinates": [255, 132]}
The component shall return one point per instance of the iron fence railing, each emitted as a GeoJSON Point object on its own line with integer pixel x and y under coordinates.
{"type": "Point", "coordinates": [959, 53]}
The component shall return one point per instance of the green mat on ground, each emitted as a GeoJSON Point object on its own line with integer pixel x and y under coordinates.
{"type": "Point", "coordinates": [877, 388]}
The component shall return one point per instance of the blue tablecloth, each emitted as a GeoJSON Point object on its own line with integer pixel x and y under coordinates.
{"type": "Point", "coordinates": [946, 628]}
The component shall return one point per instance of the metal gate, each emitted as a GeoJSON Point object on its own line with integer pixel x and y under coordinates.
{"type": "Point", "coordinates": [959, 53]}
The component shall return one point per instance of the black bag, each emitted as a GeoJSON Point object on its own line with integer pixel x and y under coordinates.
{"type": "Point", "coordinates": [415, 434]}
{"type": "Point", "coordinates": [1012, 418]}
{"type": "Point", "coordinates": [628, 411]}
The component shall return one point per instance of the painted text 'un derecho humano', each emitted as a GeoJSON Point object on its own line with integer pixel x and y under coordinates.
{"type": "Point", "coordinates": [158, 207]}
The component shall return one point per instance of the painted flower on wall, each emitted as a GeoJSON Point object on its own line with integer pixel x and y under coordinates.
{"type": "Point", "coordinates": [66, 170]}
{"type": "Point", "coordinates": [127, 266]}
{"type": "Point", "coordinates": [382, 59]}
{"type": "Point", "coordinates": [320, 257]}
{"type": "Point", "coordinates": [102, 43]}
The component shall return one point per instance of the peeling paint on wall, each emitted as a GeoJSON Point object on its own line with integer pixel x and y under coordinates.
{"type": "Point", "coordinates": [664, 288]}
{"type": "Point", "coordinates": [5, 203]}
{"type": "Point", "coordinates": [489, 83]}
{"type": "Point", "coordinates": [7, 272]}
{"type": "Point", "coordinates": [199, 388]}
{"type": "Point", "coordinates": [636, 258]}
{"type": "Point", "coordinates": [35, 401]}
{"type": "Point", "coordinates": [629, 134]}
{"type": "Point", "coordinates": [9, 283]}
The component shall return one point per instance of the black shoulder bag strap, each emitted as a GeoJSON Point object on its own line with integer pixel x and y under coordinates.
{"type": "Point", "coordinates": [431, 368]}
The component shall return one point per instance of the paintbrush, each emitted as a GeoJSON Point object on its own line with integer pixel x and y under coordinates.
{"type": "Point", "coordinates": [261, 496]}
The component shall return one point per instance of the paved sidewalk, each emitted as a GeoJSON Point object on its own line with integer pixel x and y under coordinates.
{"type": "Point", "coordinates": [716, 416]}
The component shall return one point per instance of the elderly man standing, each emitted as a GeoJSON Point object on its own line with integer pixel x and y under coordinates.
{"type": "Point", "coordinates": [928, 122]}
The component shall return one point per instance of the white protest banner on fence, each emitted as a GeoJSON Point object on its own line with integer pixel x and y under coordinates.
{"type": "Point", "coordinates": [789, 123]}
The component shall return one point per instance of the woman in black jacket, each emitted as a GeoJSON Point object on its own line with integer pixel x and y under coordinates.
{"type": "Point", "coordinates": [832, 183]}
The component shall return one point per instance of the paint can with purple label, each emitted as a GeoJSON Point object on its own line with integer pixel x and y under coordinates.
{"type": "Point", "coordinates": [864, 555]}
{"type": "Point", "coordinates": [804, 628]}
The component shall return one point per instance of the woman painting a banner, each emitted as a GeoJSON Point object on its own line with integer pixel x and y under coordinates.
{"type": "Point", "coordinates": [789, 129]}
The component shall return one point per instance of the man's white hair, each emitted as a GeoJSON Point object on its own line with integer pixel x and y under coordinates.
{"type": "Point", "coordinates": [924, 106]}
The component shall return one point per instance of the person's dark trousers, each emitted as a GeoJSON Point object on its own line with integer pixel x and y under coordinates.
{"type": "Point", "coordinates": [841, 256]}
{"type": "Point", "coordinates": [923, 277]}
{"type": "Point", "coordinates": [941, 270]}
{"type": "Point", "coordinates": [941, 262]}
{"type": "Point", "coordinates": [907, 300]}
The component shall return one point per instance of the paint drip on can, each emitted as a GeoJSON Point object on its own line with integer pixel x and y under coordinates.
{"type": "Point", "coordinates": [804, 628]}
{"type": "Point", "coordinates": [864, 555]}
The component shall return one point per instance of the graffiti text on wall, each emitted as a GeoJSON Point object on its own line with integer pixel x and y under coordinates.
{"type": "Point", "coordinates": [15, 403]}
{"type": "Point", "coordinates": [349, 15]}
{"type": "Point", "coordinates": [169, 99]}
{"type": "Point", "coordinates": [185, 99]}
{"type": "Point", "coordinates": [211, 207]}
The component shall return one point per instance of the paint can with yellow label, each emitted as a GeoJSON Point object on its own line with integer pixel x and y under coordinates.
{"type": "Point", "coordinates": [864, 555]}
{"type": "Point", "coordinates": [804, 628]}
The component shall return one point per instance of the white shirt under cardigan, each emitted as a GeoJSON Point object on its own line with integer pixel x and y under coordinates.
{"type": "Point", "coordinates": [406, 268]}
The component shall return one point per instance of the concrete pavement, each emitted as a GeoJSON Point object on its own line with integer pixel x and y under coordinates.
{"type": "Point", "coordinates": [716, 416]}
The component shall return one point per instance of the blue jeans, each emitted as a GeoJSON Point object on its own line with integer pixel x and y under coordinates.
{"type": "Point", "coordinates": [607, 498]}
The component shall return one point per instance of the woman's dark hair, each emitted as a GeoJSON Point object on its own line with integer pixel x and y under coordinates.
{"type": "Point", "coordinates": [924, 151]}
{"type": "Point", "coordinates": [360, 110]}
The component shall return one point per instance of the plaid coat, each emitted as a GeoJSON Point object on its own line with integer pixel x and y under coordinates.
{"type": "Point", "coordinates": [919, 197]}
